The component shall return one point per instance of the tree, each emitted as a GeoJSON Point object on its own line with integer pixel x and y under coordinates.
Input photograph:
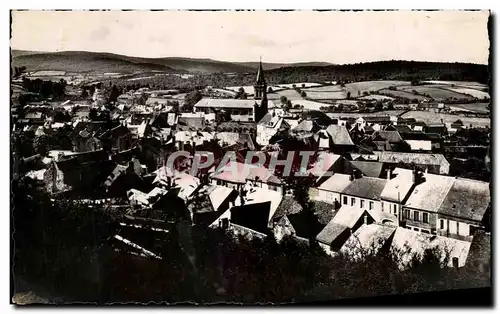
{"type": "Point", "coordinates": [283, 100]}
{"type": "Point", "coordinates": [303, 94]}
{"type": "Point", "coordinates": [93, 114]}
{"type": "Point", "coordinates": [270, 89]}
{"type": "Point", "coordinates": [113, 94]}
{"type": "Point", "coordinates": [40, 144]}
{"type": "Point", "coordinates": [303, 85]}
{"type": "Point", "coordinates": [192, 98]}
{"type": "Point", "coordinates": [348, 95]}
{"type": "Point", "coordinates": [84, 93]}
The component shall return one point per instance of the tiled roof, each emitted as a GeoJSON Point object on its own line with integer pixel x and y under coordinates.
{"type": "Point", "coordinates": [398, 187]}
{"type": "Point", "coordinates": [467, 199]}
{"type": "Point", "coordinates": [366, 187]}
{"type": "Point", "coordinates": [430, 194]}
{"type": "Point", "coordinates": [417, 158]}
{"type": "Point", "coordinates": [339, 135]}
{"type": "Point", "coordinates": [336, 183]}
{"type": "Point", "coordinates": [369, 168]}
{"type": "Point", "coordinates": [391, 136]}
{"type": "Point", "coordinates": [331, 231]}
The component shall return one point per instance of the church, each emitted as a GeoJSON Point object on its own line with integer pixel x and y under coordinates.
{"type": "Point", "coordinates": [243, 110]}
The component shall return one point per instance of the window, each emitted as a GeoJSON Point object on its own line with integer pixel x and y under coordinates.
{"type": "Point", "coordinates": [371, 205]}
{"type": "Point", "coordinates": [361, 203]}
{"type": "Point", "coordinates": [396, 209]}
{"type": "Point", "coordinates": [407, 213]}
{"type": "Point", "coordinates": [425, 231]}
{"type": "Point", "coordinates": [345, 200]}
{"type": "Point", "coordinates": [353, 201]}
{"type": "Point", "coordinates": [458, 229]}
{"type": "Point", "coordinates": [441, 224]}
{"type": "Point", "coordinates": [425, 218]}
{"type": "Point", "coordinates": [416, 216]}
{"type": "Point", "coordinates": [416, 229]}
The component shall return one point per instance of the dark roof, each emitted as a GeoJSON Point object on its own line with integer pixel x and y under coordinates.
{"type": "Point", "coordinates": [366, 187]}
{"type": "Point", "coordinates": [369, 168]}
{"type": "Point", "coordinates": [252, 216]}
{"type": "Point", "coordinates": [391, 136]}
{"type": "Point", "coordinates": [246, 140]}
{"type": "Point", "coordinates": [467, 199]}
{"type": "Point", "coordinates": [379, 119]}
{"type": "Point", "coordinates": [116, 132]}
{"type": "Point", "coordinates": [73, 161]}
{"type": "Point", "coordinates": [331, 231]}
{"type": "Point", "coordinates": [288, 206]}
{"type": "Point", "coordinates": [480, 250]}
{"type": "Point", "coordinates": [324, 212]}
{"type": "Point", "coordinates": [93, 127]}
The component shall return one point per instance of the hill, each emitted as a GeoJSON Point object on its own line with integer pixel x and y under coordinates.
{"type": "Point", "coordinates": [83, 61]}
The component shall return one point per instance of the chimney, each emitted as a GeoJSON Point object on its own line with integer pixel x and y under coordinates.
{"type": "Point", "coordinates": [365, 219]}
{"type": "Point", "coordinates": [351, 177]}
{"type": "Point", "coordinates": [389, 174]}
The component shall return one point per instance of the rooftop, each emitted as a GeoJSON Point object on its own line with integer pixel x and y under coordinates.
{"type": "Point", "coordinates": [369, 168]}
{"type": "Point", "coordinates": [366, 187]}
{"type": "Point", "coordinates": [430, 194]}
{"type": "Point", "coordinates": [467, 199]}
{"type": "Point", "coordinates": [336, 183]}
{"type": "Point", "coordinates": [226, 103]}
{"type": "Point", "coordinates": [339, 135]}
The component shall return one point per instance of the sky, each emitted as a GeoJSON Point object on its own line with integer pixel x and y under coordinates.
{"type": "Point", "coordinates": [282, 37]}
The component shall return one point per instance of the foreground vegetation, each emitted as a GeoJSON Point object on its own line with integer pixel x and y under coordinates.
{"type": "Point", "coordinates": [65, 248]}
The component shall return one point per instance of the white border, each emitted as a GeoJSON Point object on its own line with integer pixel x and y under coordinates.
{"type": "Point", "coordinates": [192, 4]}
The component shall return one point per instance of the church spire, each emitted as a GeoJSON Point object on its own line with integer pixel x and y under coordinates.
{"type": "Point", "coordinates": [260, 74]}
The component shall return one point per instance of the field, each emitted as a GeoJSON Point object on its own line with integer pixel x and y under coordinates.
{"type": "Point", "coordinates": [402, 94]}
{"type": "Point", "coordinates": [371, 86]}
{"type": "Point", "coordinates": [365, 114]}
{"type": "Point", "coordinates": [474, 85]}
{"type": "Point", "coordinates": [437, 92]}
{"type": "Point", "coordinates": [290, 94]}
{"type": "Point", "coordinates": [326, 95]}
{"type": "Point", "coordinates": [470, 91]}
{"type": "Point", "coordinates": [309, 105]}
{"type": "Point", "coordinates": [431, 117]}
{"type": "Point", "coordinates": [476, 107]}
{"type": "Point", "coordinates": [248, 89]}
{"type": "Point", "coordinates": [376, 97]}
{"type": "Point", "coordinates": [328, 88]}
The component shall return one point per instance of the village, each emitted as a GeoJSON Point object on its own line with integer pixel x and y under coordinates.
{"type": "Point", "coordinates": [375, 180]}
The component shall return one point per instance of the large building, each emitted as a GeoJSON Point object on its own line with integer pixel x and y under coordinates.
{"type": "Point", "coordinates": [247, 110]}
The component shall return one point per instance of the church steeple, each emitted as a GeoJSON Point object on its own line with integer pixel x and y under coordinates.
{"type": "Point", "coordinates": [260, 93]}
{"type": "Point", "coordinates": [260, 86]}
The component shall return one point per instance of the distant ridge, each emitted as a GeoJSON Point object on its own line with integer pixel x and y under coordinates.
{"type": "Point", "coordinates": [98, 62]}
{"type": "Point", "coordinates": [84, 61]}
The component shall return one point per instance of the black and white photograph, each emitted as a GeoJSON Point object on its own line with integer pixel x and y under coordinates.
{"type": "Point", "coordinates": [251, 157]}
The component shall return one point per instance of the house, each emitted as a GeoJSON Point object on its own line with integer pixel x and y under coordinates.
{"type": "Point", "coordinates": [117, 139]}
{"type": "Point", "coordinates": [368, 240]}
{"type": "Point", "coordinates": [335, 138]}
{"type": "Point", "coordinates": [464, 209]}
{"type": "Point", "coordinates": [238, 109]}
{"type": "Point", "coordinates": [386, 140]}
{"type": "Point", "coordinates": [363, 192]}
{"type": "Point", "coordinates": [82, 173]}
{"type": "Point", "coordinates": [237, 174]}
{"type": "Point", "coordinates": [270, 125]}
{"type": "Point", "coordinates": [291, 220]}
{"type": "Point", "coordinates": [209, 202]}
{"type": "Point", "coordinates": [409, 244]}
{"type": "Point", "coordinates": [346, 221]}
{"type": "Point", "coordinates": [435, 163]}
{"type": "Point", "coordinates": [419, 126]}
{"type": "Point", "coordinates": [420, 211]}
{"type": "Point", "coordinates": [124, 178]}
{"type": "Point", "coordinates": [436, 128]}
{"type": "Point", "coordinates": [396, 191]}
{"type": "Point", "coordinates": [252, 214]}
{"type": "Point", "coordinates": [330, 190]}
{"type": "Point", "coordinates": [85, 136]}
